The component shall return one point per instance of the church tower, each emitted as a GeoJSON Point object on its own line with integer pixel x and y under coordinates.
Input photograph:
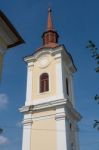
{"type": "Point", "coordinates": [50, 117]}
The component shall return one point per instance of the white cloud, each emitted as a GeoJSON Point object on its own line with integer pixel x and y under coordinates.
{"type": "Point", "coordinates": [3, 140]}
{"type": "Point", "coordinates": [3, 100]}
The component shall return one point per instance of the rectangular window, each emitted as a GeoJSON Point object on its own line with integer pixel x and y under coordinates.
{"type": "Point", "coordinates": [67, 87]}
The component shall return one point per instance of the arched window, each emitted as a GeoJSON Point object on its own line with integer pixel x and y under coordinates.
{"type": "Point", "coordinates": [67, 87]}
{"type": "Point", "coordinates": [44, 82]}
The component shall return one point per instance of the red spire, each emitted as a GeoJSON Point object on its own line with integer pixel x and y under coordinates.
{"type": "Point", "coordinates": [49, 23]}
{"type": "Point", "coordinates": [50, 37]}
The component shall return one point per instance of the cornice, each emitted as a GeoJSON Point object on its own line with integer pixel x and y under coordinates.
{"type": "Point", "coordinates": [27, 122]}
{"type": "Point", "coordinates": [57, 53]}
{"type": "Point", "coordinates": [37, 54]}
{"type": "Point", "coordinates": [43, 105]}
{"type": "Point", "coordinates": [69, 109]}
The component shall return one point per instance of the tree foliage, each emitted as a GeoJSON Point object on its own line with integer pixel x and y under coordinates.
{"type": "Point", "coordinates": [95, 54]}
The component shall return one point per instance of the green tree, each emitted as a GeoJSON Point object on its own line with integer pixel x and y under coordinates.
{"type": "Point", "coordinates": [95, 54]}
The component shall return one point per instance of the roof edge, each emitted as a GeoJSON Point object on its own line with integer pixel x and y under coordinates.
{"type": "Point", "coordinates": [12, 28]}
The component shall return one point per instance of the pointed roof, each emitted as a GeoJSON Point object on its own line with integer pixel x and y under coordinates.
{"type": "Point", "coordinates": [50, 22]}
{"type": "Point", "coordinates": [50, 36]}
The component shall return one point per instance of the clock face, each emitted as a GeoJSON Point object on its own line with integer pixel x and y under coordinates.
{"type": "Point", "coordinates": [43, 61]}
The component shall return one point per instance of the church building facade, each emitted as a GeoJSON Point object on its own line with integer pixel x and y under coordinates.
{"type": "Point", "coordinates": [50, 118]}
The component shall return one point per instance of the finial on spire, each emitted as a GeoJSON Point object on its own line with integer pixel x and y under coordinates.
{"type": "Point", "coordinates": [49, 9]}
{"type": "Point", "coordinates": [50, 22]}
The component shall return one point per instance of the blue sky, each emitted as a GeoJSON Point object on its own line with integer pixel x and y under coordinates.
{"type": "Point", "coordinates": [76, 22]}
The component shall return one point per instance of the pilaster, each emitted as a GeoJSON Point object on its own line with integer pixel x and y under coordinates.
{"type": "Point", "coordinates": [27, 125]}
{"type": "Point", "coordinates": [29, 83]}
{"type": "Point", "coordinates": [60, 92]}
{"type": "Point", "coordinates": [61, 129]}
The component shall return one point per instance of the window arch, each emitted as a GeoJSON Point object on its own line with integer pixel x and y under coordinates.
{"type": "Point", "coordinates": [44, 82]}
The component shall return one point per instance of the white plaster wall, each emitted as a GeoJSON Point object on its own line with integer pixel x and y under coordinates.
{"type": "Point", "coordinates": [67, 74]}
{"type": "Point", "coordinates": [62, 134]}
{"type": "Point", "coordinates": [29, 84]}
{"type": "Point", "coordinates": [27, 125]}
{"type": "Point", "coordinates": [59, 79]}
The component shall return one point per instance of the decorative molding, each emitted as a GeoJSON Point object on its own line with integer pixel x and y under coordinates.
{"type": "Point", "coordinates": [57, 56]}
{"type": "Point", "coordinates": [27, 122]}
{"type": "Point", "coordinates": [41, 53]}
{"type": "Point", "coordinates": [60, 116]}
{"type": "Point", "coordinates": [44, 61]}
{"type": "Point", "coordinates": [69, 110]}
{"type": "Point", "coordinates": [30, 64]}
{"type": "Point", "coordinates": [43, 105]}
{"type": "Point", "coordinates": [61, 50]}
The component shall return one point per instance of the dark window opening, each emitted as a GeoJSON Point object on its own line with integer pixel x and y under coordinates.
{"type": "Point", "coordinates": [44, 82]}
{"type": "Point", "coordinates": [70, 126]}
{"type": "Point", "coordinates": [72, 146]}
{"type": "Point", "coordinates": [67, 87]}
